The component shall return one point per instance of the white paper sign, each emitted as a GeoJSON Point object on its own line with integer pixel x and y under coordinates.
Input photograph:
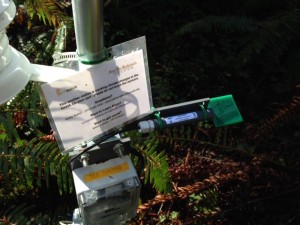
{"type": "Point", "coordinates": [93, 101]}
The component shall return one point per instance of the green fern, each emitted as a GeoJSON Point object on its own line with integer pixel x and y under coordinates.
{"type": "Point", "coordinates": [28, 160]}
{"type": "Point", "coordinates": [156, 164]}
{"type": "Point", "coordinates": [32, 165]}
{"type": "Point", "coordinates": [48, 11]}
{"type": "Point", "coordinates": [39, 48]}
{"type": "Point", "coordinates": [228, 24]}
{"type": "Point", "coordinates": [26, 213]}
{"type": "Point", "coordinates": [279, 31]}
{"type": "Point", "coordinates": [156, 171]}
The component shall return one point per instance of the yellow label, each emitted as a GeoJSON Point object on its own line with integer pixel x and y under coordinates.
{"type": "Point", "coordinates": [106, 172]}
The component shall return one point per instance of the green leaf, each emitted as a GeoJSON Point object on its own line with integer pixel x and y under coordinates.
{"type": "Point", "coordinates": [59, 177]}
{"type": "Point", "coordinates": [157, 168]}
{"type": "Point", "coordinates": [70, 182]}
{"type": "Point", "coordinates": [29, 171]}
{"type": "Point", "coordinates": [5, 169]}
{"type": "Point", "coordinates": [13, 162]}
{"type": "Point", "coordinates": [20, 166]}
{"type": "Point", "coordinates": [30, 146]}
{"type": "Point", "coordinates": [40, 173]}
{"type": "Point", "coordinates": [65, 178]}
{"type": "Point", "coordinates": [47, 173]}
{"type": "Point", "coordinates": [19, 210]}
{"type": "Point", "coordinates": [9, 127]}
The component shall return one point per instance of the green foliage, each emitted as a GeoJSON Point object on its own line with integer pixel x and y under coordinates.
{"type": "Point", "coordinates": [280, 31]}
{"type": "Point", "coordinates": [41, 39]}
{"type": "Point", "coordinates": [219, 45]}
{"type": "Point", "coordinates": [27, 159]}
{"type": "Point", "coordinates": [30, 161]}
{"type": "Point", "coordinates": [227, 24]}
{"type": "Point", "coordinates": [205, 202]}
{"type": "Point", "coordinates": [21, 213]}
{"type": "Point", "coordinates": [48, 11]}
{"type": "Point", "coordinates": [17, 215]}
{"type": "Point", "coordinates": [168, 219]}
{"type": "Point", "coordinates": [30, 164]}
{"type": "Point", "coordinates": [156, 164]}
{"type": "Point", "coordinates": [40, 49]}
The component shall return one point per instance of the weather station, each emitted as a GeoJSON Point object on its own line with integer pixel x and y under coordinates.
{"type": "Point", "coordinates": [101, 93]}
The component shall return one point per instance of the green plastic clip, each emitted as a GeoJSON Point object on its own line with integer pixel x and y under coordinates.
{"type": "Point", "coordinates": [225, 111]}
{"type": "Point", "coordinates": [205, 116]}
{"type": "Point", "coordinates": [159, 120]}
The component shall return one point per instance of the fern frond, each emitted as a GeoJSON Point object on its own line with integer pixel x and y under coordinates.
{"type": "Point", "coordinates": [42, 156]}
{"type": "Point", "coordinates": [11, 133]}
{"type": "Point", "coordinates": [32, 166]}
{"type": "Point", "coordinates": [280, 116]}
{"type": "Point", "coordinates": [278, 31]}
{"type": "Point", "coordinates": [228, 24]}
{"type": "Point", "coordinates": [33, 115]}
{"type": "Point", "coordinates": [24, 213]}
{"type": "Point", "coordinates": [156, 164]}
{"type": "Point", "coordinates": [48, 11]}
{"type": "Point", "coordinates": [156, 171]}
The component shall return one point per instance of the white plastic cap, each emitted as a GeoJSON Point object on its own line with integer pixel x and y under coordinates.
{"type": "Point", "coordinates": [7, 13]}
{"type": "Point", "coordinates": [4, 5]}
{"type": "Point", "coordinates": [146, 126]}
{"type": "Point", "coordinates": [5, 53]}
{"type": "Point", "coordinates": [14, 77]}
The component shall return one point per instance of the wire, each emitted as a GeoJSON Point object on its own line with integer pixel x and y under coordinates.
{"type": "Point", "coordinates": [65, 222]}
{"type": "Point", "coordinates": [131, 126]}
{"type": "Point", "coordinates": [100, 140]}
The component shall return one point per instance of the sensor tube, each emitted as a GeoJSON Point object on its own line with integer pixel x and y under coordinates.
{"type": "Point", "coordinates": [171, 121]}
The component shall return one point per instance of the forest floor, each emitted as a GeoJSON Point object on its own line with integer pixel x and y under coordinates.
{"type": "Point", "coordinates": [222, 184]}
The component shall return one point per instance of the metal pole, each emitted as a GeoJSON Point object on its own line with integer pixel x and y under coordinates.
{"type": "Point", "coordinates": [88, 21]}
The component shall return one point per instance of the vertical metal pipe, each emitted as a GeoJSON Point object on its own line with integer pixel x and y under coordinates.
{"type": "Point", "coordinates": [88, 21]}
